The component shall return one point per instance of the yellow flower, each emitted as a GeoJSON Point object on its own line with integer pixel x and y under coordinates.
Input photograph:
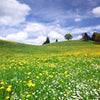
{"type": "Point", "coordinates": [9, 88]}
{"type": "Point", "coordinates": [27, 96]}
{"type": "Point", "coordinates": [24, 81]}
{"type": "Point", "coordinates": [12, 80]}
{"type": "Point", "coordinates": [70, 66]}
{"type": "Point", "coordinates": [2, 83]}
{"type": "Point", "coordinates": [46, 72]}
{"type": "Point", "coordinates": [1, 88]}
{"type": "Point", "coordinates": [42, 82]}
{"type": "Point", "coordinates": [20, 81]}
{"type": "Point", "coordinates": [96, 81]}
{"type": "Point", "coordinates": [29, 84]}
{"type": "Point", "coordinates": [67, 75]}
{"type": "Point", "coordinates": [37, 77]}
{"type": "Point", "coordinates": [7, 97]}
{"type": "Point", "coordinates": [67, 94]}
{"type": "Point", "coordinates": [65, 72]}
{"type": "Point", "coordinates": [40, 74]}
{"type": "Point", "coordinates": [29, 73]}
{"type": "Point", "coordinates": [28, 77]}
{"type": "Point", "coordinates": [33, 84]}
{"type": "Point", "coordinates": [61, 80]}
{"type": "Point", "coordinates": [30, 81]}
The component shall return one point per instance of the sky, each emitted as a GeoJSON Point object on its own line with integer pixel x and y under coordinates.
{"type": "Point", "coordinates": [31, 21]}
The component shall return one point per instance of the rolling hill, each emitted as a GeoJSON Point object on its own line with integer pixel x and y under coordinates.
{"type": "Point", "coordinates": [63, 70]}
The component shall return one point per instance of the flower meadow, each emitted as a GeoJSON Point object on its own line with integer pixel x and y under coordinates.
{"type": "Point", "coordinates": [49, 72]}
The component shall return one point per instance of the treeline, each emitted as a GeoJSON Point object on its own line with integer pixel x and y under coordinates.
{"type": "Point", "coordinates": [95, 37]}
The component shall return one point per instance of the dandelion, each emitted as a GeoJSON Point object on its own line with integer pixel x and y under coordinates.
{"type": "Point", "coordinates": [27, 96]}
{"type": "Point", "coordinates": [70, 66]}
{"type": "Point", "coordinates": [96, 81]}
{"type": "Point", "coordinates": [66, 72]}
{"type": "Point", "coordinates": [7, 97]}
{"type": "Point", "coordinates": [2, 83]}
{"type": "Point", "coordinates": [67, 94]}
{"type": "Point", "coordinates": [29, 73]}
{"type": "Point", "coordinates": [1, 87]}
{"type": "Point", "coordinates": [37, 77]}
{"type": "Point", "coordinates": [33, 84]}
{"type": "Point", "coordinates": [67, 75]}
{"type": "Point", "coordinates": [9, 88]}
{"type": "Point", "coordinates": [40, 74]}
{"type": "Point", "coordinates": [42, 82]}
{"type": "Point", "coordinates": [12, 80]}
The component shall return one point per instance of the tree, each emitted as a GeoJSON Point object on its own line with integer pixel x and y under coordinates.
{"type": "Point", "coordinates": [47, 41]}
{"type": "Point", "coordinates": [97, 37]}
{"type": "Point", "coordinates": [85, 37]}
{"type": "Point", "coordinates": [68, 36]}
{"type": "Point", "coordinates": [94, 35]}
{"type": "Point", "coordinates": [56, 40]}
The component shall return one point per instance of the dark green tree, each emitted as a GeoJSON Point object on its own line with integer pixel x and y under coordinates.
{"type": "Point", "coordinates": [85, 37]}
{"type": "Point", "coordinates": [56, 40]}
{"type": "Point", "coordinates": [97, 37]}
{"type": "Point", "coordinates": [68, 36]}
{"type": "Point", "coordinates": [94, 35]}
{"type": "Point", "coordinates": [47, 41]}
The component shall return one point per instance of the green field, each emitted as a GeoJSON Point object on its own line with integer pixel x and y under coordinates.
{"type": "Point", "coordinates": [68, 70]}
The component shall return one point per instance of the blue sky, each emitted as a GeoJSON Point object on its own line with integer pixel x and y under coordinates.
{"type": "Point", "coordinates": [31, 21]}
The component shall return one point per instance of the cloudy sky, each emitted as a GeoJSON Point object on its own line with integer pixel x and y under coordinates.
{"type": "Point", "coordinates": [31, 21]}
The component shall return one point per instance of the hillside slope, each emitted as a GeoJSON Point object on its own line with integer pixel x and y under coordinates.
{"type": "Point", "coordinates": [59, 47]}
{"type": "Point", "coordinates": [64, 70]}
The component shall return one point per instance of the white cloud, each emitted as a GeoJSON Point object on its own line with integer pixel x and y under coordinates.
{"type": "Point", "coordinates": [36, 33]}
{"type": "Point", "coordinates": [19, 37]}
{"type": "Point", "coordinates": [77, 37]}
{"type": "Point", "coordinates": [96, 12]}
{"type": "Point", "coordinates": [37, 41]}
{"type": "Point", "coordinates": [35, 28]}
{"type": "Point", "coordinates": [12, 12]}
{"type": "Point", "coordinates": [55, 35]}
{"type": "Point", "coordinates": [2, 38]}
{"type": "Point", "coordinates": [77, 19]}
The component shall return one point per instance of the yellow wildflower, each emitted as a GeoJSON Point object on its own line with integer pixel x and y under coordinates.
{"type": "Point", "coordinates": [67, 94]}
{"type": "Point", "coordinates": [29, 73]}
{"type": "Point", "coordinates": [7, 97]}
{"type": "Point", "coordinates": [37, 77]}
{"type": "Point", "coordinates": [2, 83]}
{"type": "Point", "coordinates": [9, 88]}
{"type": "Point", "coordinates": [65, 72]}
{"type": "Point", "coordinates": [27, 96]}
{"type": "Point", "coordinates": [29, 84]}
{"type": "Point", "coordinates": [96, 81]}
{"type": "Point", "coordinates": [40, 74]}
{"type": "Point", "coordinates": [33, 84]}
{"type": "Point", "coordinates": [42, 82]}
{"type": "Point", "coordinates": [70, 66]}
{"type": "Point", "coordinates": [12, 80]}
{"type": "Point", "coordinates": [1, 88]}
{"type": "Point", "coordinates": [67, 75]}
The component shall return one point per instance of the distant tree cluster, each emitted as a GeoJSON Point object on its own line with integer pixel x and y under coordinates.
{"type": "Point", "coordinates": [95, 37]}
{"type": "Point", "coordinates": [68, 36]}
{"type": "Point", "coordinates": [48, 41]}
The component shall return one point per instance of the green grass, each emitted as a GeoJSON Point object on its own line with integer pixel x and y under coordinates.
{"type": "Point", "coordinates": [63, 70]}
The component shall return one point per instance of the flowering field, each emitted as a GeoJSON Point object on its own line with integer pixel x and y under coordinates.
{"type": "Point", "coordinates": [60, 71]}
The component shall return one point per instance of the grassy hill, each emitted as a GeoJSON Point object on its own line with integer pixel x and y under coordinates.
{"type": "Point", "coordinates": [62, 70]}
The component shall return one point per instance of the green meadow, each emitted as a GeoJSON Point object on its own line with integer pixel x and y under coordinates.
{"type": "Point", "coordinates": [68, 70]}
